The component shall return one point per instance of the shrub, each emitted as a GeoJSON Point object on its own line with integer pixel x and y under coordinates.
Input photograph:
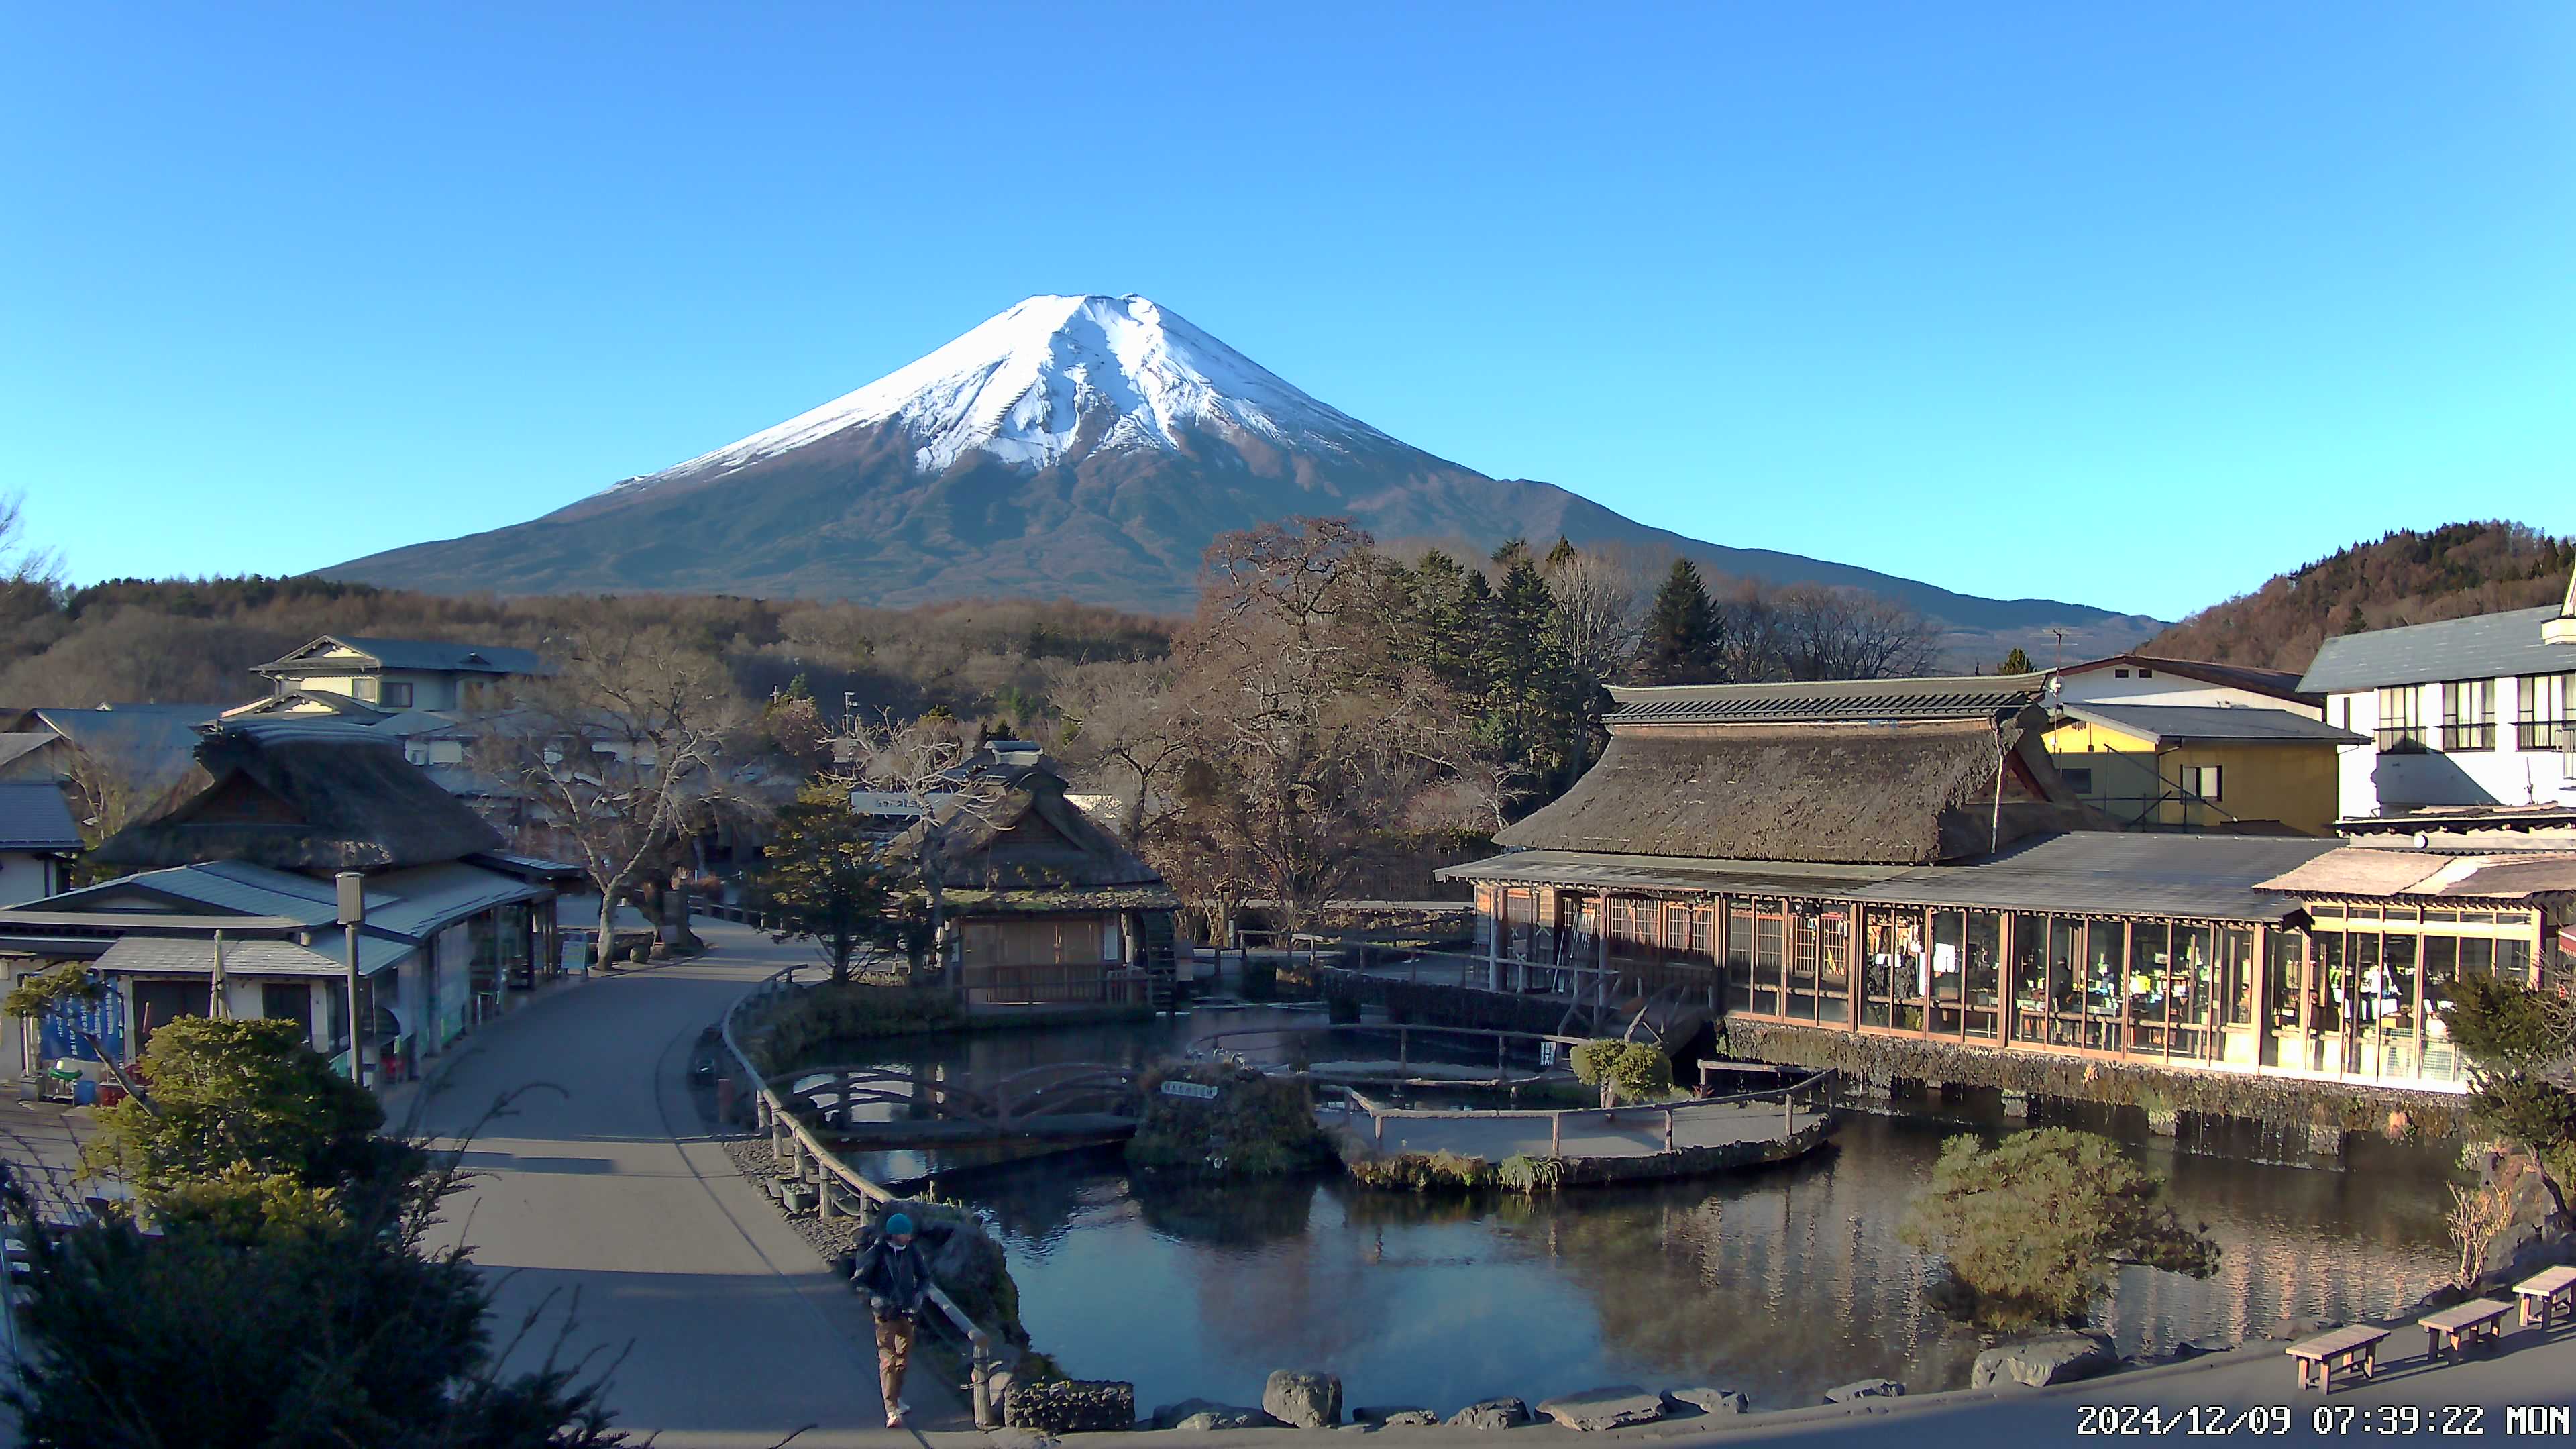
{"type": "Point", "coordinates": [2031, 1227]}
{"type": "Point", "coordinates": [1632, 1071]}
{"type": "Point", "coordinates": [1257, 1125]}
{"type": "Point", "coordinates": [790, 1030]}
{"type": "Point", "coordinates": [1423, 1172]}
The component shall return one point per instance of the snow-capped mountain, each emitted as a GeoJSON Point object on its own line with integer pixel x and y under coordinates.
{"type": "Point", "coordinates": [1069, 447]}
{"type": "Point", "coordinates": [1028, 384]}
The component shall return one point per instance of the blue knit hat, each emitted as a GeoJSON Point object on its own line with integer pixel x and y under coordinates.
{"type": "Point", "coordinates": [898, 1226]}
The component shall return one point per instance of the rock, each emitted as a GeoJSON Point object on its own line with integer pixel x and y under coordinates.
{"type": "Point", "coordinates": [1201, 1415]}
{"type": "Point", "coordinates": [1395, 1418]}
{"type": "Point", "coordinates": [2537, 1231]}
{"type": "Point", "coordinates": [1303, 1398]}
{"type": "Point", "coordinates": [1721, 1402]}
{"type": "Point", "coordinates": [1605, 1408]}
{"type": "Point", "coordinates": [997, 1386]}
{"type": "Point", "coordinates": [2051, 1358]}
{"type": "Point", "coordinates": [1491, 1414]}
{"type": "Point", "coordinates": [1073, 1406]}
{"type": "Point", "coordinates": [1017, 1439]}
{"type": "Point", "coordinates": [1865, 1389]}
{"type": "Point", "coordinates": [2203, 1346]}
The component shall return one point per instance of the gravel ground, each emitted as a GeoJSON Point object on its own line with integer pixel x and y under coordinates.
{"type": "Point", "coordinates": [831, 1239]}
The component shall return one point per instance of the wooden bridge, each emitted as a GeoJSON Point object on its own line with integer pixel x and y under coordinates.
{"type": "Point", "coordinates": [1063, 1102]}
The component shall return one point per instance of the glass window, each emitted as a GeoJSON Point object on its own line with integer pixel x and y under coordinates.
{"type": "Point", "coordinates": [1703, 931]}
{"type": "Point", "coordinates": [2192, 976]}
{"type": "Point", "coordinates": [2069, 969]}
{"type": "Point", "coordinates": [2150, 949]}
{"type": "Point", "coordinates": [2030, 962]}
{"type": "Point", "coordinates": [2289, 973]}
{"type": "Point", "coordinates": [2395, 988]}
{"type": "Point", "coordinates": [1985, 956]}
{"type": "Point", "coordinates": [2325, 911]}
{"type": "Point", "coordinates": [2513, 960]}
{"type": "Point", "coordinates": [1833, 972]}
{"type": "Point", "coordinates": [2543, 711]}
{"type": "Point", "coordinates": [2401, 717]}
{"type": "Point", "coordinates": [2236, 974]}
{"type": "Point", "coordinates": [1946, 960]}
{"type": "Point", "coordinates": [1676, 927]}
{"type": "Point", "coordinates": [2468, 714]}
{"type": "Point", "coordinates": [2477, 956]}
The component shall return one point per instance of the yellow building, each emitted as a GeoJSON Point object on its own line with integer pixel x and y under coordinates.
{"type": "Point", "coordinates": [2201, 767]}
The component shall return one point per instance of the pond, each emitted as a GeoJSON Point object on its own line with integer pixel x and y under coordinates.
{"type": "Point", "coordinates": [1779, 1284]}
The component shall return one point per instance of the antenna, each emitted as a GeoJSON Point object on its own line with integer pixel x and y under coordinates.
{"type": "Point", "coordinates": [2059, 661]}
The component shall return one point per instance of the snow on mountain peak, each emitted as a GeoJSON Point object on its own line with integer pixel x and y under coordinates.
{"type": "Point", "coordinates": [1024, 384]}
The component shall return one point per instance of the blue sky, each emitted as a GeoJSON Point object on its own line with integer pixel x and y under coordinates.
{"type": "Point", "coordinates": [2130, 305]}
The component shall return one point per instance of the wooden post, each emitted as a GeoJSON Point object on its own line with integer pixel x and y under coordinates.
{"type": "Point", "coordinates": [1555, 1134]}
{"type": "Point", "coordinates": [1601, 955]}
{"type": "Point", "coordinates": [1668, 1129]}
{"type": "Point", "coordinates": [1403, 1047]}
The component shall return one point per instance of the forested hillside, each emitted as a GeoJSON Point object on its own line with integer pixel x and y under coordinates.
{"type": "Point", "coordinates": [2406, 577]}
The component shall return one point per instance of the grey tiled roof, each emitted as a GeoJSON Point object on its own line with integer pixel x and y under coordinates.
{"type": "Point", "coordinates": [2485, 646]}
{"type": "Point", "coordinates": [33, 816]}
{"type": "Point", "coordinates": [431, 654]}
{"type": "Point", "coordinates": [2157, 723]}
{"type": "Point", "coordinates": [1584, 869]}
{"type": "Point", "coordinates": [1956, 697]}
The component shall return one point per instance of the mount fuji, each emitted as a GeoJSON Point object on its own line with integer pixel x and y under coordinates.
{"type": "Point", "coordinates": [1075, 447]}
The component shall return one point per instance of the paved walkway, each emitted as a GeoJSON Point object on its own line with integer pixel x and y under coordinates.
{"type": "Point", "coordinates": [603, 1181]}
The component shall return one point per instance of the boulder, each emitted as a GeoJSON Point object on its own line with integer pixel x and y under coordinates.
{"type": "Point", "coordinates": [1491, 1414]}
{"type": "Point", "coordinates": [1072, 1406]}
{"type": "Point", "coordinates": [2538, 1230]}
{"type": "Point", "coordinates": [2051, 1358]}
{"type": "Point", "coordinates": [997, 1386]}
{"type": "Point", "coordinates": [1864, 1389]}
{"type": "Point", "coordinates": [1197, 1416]}
{"type": "Point", "coordinates": [1303, 1398]}
{"type": "Point", "coordinates": [1605, 1408]}
{"type": "Point", "coordinates": [1405, 1418]}
{"type": "Point", "coordinates": [1720, 1402]}
{"type": "Point", "coordinates": [2205, 1345]}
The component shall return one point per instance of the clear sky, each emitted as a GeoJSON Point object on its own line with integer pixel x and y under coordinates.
{"type": "Point", "coordinates": [2133, 305]}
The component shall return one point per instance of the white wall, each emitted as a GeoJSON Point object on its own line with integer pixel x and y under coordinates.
{"type": "Point", "coordinates": [2370, 783]}
{"type": "Point", "coordinates": [2102, 686]}
{"type": "Point", "coordinates": [24, 877]}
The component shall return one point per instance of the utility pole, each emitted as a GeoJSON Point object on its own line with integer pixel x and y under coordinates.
{"type": "Point", "coordinates": [217, 1008]}
{"type": "Point", "coordinates": [353, 913]}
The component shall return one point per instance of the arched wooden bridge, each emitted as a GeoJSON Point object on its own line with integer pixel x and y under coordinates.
{"type": "Point", "coordinates": [1060, 1102]}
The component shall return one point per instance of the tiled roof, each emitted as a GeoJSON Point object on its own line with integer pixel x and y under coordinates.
{"type": "Point", "coordinates": [2484, 646]}
{"type": "Point", "coordinates": [2158, 723]}
{"type": "Point", "coordinates": [2361, 870]}
{"type": "Point", "coordinates": [195, 956]}
{"type": "Point", "coordinates": [33, 816]}
{"type": "Point", "coordinates": [2282, 683]}
{"type": "Point", "coordinates": [1958, 697]}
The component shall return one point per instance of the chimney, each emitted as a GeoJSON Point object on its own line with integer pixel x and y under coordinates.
{"type": "Point", "coordinates": [2562, 630]}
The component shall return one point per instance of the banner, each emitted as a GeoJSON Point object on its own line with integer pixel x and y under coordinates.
{"type": "Point", "coordinates": [102, 1017]}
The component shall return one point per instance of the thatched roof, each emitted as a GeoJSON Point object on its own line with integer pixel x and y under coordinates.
{"type": "Point", "coordinates": [303, 796]}
{"type": "Point", "coordinates": [1912, 792]}
{"type": "Point", "coordinates": [1012, 830]}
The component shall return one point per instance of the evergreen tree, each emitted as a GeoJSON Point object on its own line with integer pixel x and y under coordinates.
{"type": "Point", "coordinates": [1681, 637]}
{"type": "Point", "coordinates": [2016, 663]}
{"type": "Point", "coordinates": [825, 876]}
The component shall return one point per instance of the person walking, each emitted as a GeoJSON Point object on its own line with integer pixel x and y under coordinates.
{"type": "Point", "coordinates": [895, 1274]}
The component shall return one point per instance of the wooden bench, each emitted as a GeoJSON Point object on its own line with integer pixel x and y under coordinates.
{"type": "Point", "coordinates": [2548, 1289]}
{"type": "Point", "coordinates": [2459, 1329]}
{"type": "Point", "coordinates": [2354, 1346]}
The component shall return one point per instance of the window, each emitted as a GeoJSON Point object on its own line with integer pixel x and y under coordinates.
{"type": "Point", "coordinates": [2468, 714]}
{"type": "Point", "coordinates": [2146, 674]}
{"type": "Point", "coordinates": [2401, 717]}
{"type": "Point", "coordinates": [2542, 721]}
{"type": "Point", "coordinates": [396, 694]}
{"type": "Point", "coordinates": [2201, 781]}
{"type": "Point", "coordinates": [363, 689]}
{"type": "Point", "coordinates": [2079, 781]}
{"type": "Point", "coordinates": [2119, 674]}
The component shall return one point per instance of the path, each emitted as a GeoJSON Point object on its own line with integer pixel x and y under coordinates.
{"type": "Point", "coordinates": [734, 1332]}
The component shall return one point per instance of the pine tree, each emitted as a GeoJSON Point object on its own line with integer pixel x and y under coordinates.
{"type": "Point", "coordinates": [2015, 663]}
{"type": "Point", "coordinates": [1681, 636]}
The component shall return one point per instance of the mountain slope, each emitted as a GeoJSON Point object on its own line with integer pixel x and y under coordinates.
{"type": "Point", "coordinates": [1075, 447]}
{"type": "Point", "coordinates": [2405, 577]}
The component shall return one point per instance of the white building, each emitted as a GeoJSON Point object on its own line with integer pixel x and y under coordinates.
{"type": "Point", "coordinates": [2466, 717]}
{"type": "Point", "coordinates": [2145, 679]}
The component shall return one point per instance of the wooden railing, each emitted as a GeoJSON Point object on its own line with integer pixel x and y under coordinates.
{"type": "Point", "coordinates": [1811, 1090]}
{"type": "Point", "coordinates": [1055, 983]}
{"type": "Point", "coordinates": [794, 1145]}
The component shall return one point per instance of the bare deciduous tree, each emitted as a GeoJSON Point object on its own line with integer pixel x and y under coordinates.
{"type": "Point", "coordinates": [1119, 734]}
{"type": "Point", "coordinates": [1598, 593]}
{"type": "Point", "coordinates": [616, 754]}
{"type": "Point", "coordinates": [924, 769]}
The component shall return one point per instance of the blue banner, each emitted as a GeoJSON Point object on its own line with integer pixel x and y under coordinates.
{"type": "Point", "coordinates": [102, 1016]}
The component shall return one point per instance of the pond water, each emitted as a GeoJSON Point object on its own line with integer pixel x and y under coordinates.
{"type": "Point", "coordinates": [1780, 1283]}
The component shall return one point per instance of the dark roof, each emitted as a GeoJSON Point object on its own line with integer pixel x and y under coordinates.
{"type": "Point", "coordinates": [1959, 697]}
{"type": "Point", "coordinates": [2118, 873]}
{"type": "Point", "coordinates": [2159, 723]}
{"type": "Point", "coordinates": [153, 743]}
{"type": "Point", "coordinates": [19, 744]}
{"type": "Point", "coordinates": [299, 795]}
{"type": "Point", "coordinates": [1586, 870]}
{"type": "Point", "coordinates": [2084, 872]}
{"type": "Point", "coordinates": [429, 654]}
{"type": "Point", "coordinates": [2483, 646]}
{"type": "Point", "coordinates": [1019, 834]}
{"type": "Point", "coordinates": [2280, 683]}
{"type": "Point", "coordinates": [33, 816]}
{"type": "Point", "coordinates": [1886, 794]}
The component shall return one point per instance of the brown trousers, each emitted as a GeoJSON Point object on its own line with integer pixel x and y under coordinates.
{"type": "Point", "coordinates": [894, 1355]}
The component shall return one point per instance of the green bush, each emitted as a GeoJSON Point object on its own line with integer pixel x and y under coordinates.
{"type": "Point", "coordinates": [2520, 1044]}
{"type": "Point", "coordinates": [785, 1034]}
{"type": "Point", "coordinates": [1423, 1172]}
{"type": "Point", "coordinates": [1624, 1071]}
{"type": "Point", "coordinates": [1257, 1126]}
{"type": "Point", "coordinates": [2031, 1227]}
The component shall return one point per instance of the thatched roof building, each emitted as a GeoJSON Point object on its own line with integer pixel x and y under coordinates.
{"type": "Point", "coordinates": [1880, 772]}
{"type": "Point", "coordinates": [304, 796]}
{"type": "Point", "coordinates": [1012, 843]}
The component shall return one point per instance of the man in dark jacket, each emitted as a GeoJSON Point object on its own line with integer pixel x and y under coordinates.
{"type": "Point", "coordinates": [895, 1274]}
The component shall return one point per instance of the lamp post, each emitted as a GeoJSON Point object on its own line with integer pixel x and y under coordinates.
{"type": "Point", "coordinates": [353, 913]}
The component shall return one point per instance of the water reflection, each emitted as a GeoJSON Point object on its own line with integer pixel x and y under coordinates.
{"type": "Point", "coordinates": [1780, 1284]}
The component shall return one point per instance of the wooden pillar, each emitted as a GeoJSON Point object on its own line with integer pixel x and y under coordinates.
{"type": "Point", "coordinates": [2007, 976]}
{"type": "Point", "coordinates": [1601, 955]}
{"type": "Point", "coordinates": [1495, 925]}
{"type": "Point", "coordinates": [2259, 973]}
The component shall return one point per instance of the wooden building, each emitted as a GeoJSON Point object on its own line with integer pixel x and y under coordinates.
{"type": "Point", "coordinates": [1043, 908]}
{"type": "Point", "coordinates": [1901, 858]}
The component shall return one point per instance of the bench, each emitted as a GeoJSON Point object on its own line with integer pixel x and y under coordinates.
{"type": "Point", "coordinates": [2548, 1289]}
{"type": "Point", "coordinates": [2355, 1346]}
{"type": "Point", "coordinates": [2458, 1329]}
